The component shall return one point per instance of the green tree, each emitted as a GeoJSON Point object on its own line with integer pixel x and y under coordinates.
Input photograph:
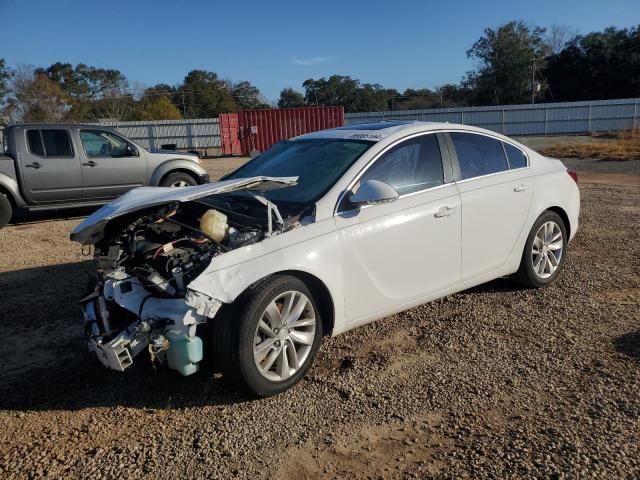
{"type": "Point", "coordinates": [248, 96]}
{"type": "Point", "coordinates": [157, 108]}
{"type": "Point", "coordinates": [506, 56]}
{"type": "Point", "coordinates": [289, 98]}
{"type": "Point", "coordinates": [93, 92]}
{"type": "Point", "coordinates": [348, 92]}
{"type": "Point", "coordinates": [205, 95]}
{"type": "Point", "coordinates": [598, 65]}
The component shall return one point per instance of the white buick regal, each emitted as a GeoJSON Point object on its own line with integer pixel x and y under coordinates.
{"type": "Point", "coordinates": [318, 235]}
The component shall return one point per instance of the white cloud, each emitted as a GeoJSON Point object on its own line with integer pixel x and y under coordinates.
{"type": "Point", "coordinates": [310, 60]}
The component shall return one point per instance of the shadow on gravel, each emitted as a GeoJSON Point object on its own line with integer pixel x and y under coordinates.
{"type": "Point", "coordinates": [629, 345]}
{"type": "Point", "coordinates": [500, 285]}
{"type": "Point", "coordinates": [46, 365]}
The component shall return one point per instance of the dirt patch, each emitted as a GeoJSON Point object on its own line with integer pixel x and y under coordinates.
{"type": "Point", "coordinates": [390, 450]}
{"type": "Point", "coordinates": [626, 296]}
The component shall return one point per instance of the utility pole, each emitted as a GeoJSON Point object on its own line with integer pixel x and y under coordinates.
{"type": "Point", "coordinates": [533, 80]}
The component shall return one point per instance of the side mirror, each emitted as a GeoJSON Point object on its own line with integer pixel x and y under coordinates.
{"type": "Point", "coordinates": [131, 151]}
{"type": "Point", "coordinates": [373, 192]}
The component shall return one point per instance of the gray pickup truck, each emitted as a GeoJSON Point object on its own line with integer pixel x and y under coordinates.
{"type": "Point", "coordinates": [60, 166]}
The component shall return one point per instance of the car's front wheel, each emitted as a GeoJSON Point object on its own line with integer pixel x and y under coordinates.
{"type": "Point", "coordinates": [545, 251]}
{"type": "Point", "coordinates": [268, 342]}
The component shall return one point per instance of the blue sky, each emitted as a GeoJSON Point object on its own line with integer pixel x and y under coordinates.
{"type": "Point", "coordinates": [277, 44]}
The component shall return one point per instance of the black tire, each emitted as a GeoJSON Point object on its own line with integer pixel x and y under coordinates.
{"type": "Point", "coordinates": [234, 333]}
{"type": "Point", "coordinates": [527, 274]}
{"type": "Point", "coordinates": [5, 210]}
{"type": "Point", "coordinates": [173, 179]}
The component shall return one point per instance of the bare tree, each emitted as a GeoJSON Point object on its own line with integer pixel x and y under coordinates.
{"type": "Point", "coordinates": [558, 36]}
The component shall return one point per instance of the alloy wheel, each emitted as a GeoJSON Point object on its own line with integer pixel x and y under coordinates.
{"type": "Point", "coordinates": [284, 336]}
{"type": "Point", "coordinates": [547, 249]}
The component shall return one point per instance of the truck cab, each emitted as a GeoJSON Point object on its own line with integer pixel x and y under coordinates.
{"type": "Point", "coordinates": [60, 166]}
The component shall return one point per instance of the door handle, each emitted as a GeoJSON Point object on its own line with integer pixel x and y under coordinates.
{"type": "Point", "coordinates": [90, 163]}
{"type": "Point", "coordinates": [35, 165]}
{"type": "Point", "coordinates": [444, 211]}
{"type": "Point", "coordinates": [520, 188]}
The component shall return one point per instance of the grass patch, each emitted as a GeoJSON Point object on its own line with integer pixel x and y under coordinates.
{"type": "Point", "coordinates": [619, 146]}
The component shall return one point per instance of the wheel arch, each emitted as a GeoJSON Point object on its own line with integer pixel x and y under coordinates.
{"type": "Point", "coordinates": [318, 288]}
{"type": "Point", "coordinates": [175, 165]}
{"type": "Point", "coordinates": [179, 170]}
{"type": "Point", "coordinates": [7, 193]}
{"type": "Point", "coordinates": [563, 215]}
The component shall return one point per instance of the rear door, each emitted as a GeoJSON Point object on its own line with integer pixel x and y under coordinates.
{"type": "Point", "coordinates": [49, 165]}
{"type": "Point", "coordinates": [111, 165]}
{"type": "Point", "coordinates": [495, 199]}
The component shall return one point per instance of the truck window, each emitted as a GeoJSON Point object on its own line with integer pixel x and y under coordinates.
{"type": "Point", "coordinates": [98, 143]}
{"type": "Point", "coordinates": [49, 143]}
{"type": "Point", "coordinates": [35, 142]}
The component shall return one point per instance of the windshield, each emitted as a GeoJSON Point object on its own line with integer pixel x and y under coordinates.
{"type": "Point", "coordinates": [318, 164]}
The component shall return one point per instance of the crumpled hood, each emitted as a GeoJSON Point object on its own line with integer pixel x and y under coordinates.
{"type": "Point", "coordinates": [92, 229]}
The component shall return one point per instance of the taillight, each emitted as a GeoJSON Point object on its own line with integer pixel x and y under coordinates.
{"type": "Point", "coordinates": [573, 174]}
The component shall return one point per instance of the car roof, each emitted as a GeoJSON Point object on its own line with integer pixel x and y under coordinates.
{"type": "Point", "coordinates": [391, 130]}
{"type": "Point", "coordinates": [59, 125]}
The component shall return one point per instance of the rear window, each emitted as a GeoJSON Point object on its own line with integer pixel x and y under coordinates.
{"type": "Point", "coordinates": [517, 158]}
{"type": "Point", "coordinates": [478, 155]}
{"type": "Point", "coordinates": [49, 143]}
{"type": "Point", "coordinates": [35, 142]}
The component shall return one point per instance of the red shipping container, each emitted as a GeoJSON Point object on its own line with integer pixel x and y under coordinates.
{"type": "Point", "coordinates": [260, 129]}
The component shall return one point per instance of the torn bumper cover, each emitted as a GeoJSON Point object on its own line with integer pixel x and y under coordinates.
{"type": "Point", "coordinates": [150, 244]}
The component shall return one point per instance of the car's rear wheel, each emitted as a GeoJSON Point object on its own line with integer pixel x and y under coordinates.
{"type": "Point", "coordinates": [545, 251]}
{"type": "Point", "coordinates": [179, 179]}
{"type": "Point", "coordinates": [268, 342]}
{"type": "Point", "coordinates": [5, 210]}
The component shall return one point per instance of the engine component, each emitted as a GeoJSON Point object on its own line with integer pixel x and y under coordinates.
{"type": "Point", "coordinates": [214, 224]}
{"type": "Point", "coordinates": [184, 353]}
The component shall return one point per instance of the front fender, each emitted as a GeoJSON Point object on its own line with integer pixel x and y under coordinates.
{"type": "Point", "coordinates": [178, 164]}
{"type": "Point", "coordinates": [11, 186]}
{"type": "Point", "coordinates": [312, 249]}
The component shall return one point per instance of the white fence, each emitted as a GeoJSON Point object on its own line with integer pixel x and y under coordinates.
{"type": "Point", "coordinates": [184, 134]}
{"type": "Point", "coordinates": [538, 119]}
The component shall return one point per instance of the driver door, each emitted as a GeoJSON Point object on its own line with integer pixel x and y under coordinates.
{"type": "Point", "coordinates": [396, 253]}
{"type": "Point", "coordinates": [110, 165]}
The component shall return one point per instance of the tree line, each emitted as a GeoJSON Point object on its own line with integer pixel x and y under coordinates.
{"type": "Point", "coordinates": [514, 63]}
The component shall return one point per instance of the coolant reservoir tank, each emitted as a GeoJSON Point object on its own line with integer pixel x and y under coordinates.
{"type": "Point", "coordinates": [214, 224]}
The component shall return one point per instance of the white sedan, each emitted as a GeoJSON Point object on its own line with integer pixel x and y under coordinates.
{"type": "Point", "coordinates": [316, 236]}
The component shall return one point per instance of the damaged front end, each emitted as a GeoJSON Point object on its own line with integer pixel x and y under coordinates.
{"type": "Point", "coordinates": [149, 245]}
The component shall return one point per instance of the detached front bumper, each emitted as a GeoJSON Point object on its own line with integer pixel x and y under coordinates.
{"type": "Point", "coordinates": [122, 319]}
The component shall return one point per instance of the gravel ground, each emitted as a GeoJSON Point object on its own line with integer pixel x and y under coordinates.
{"type": "Point", "coordinates": [497, 381]}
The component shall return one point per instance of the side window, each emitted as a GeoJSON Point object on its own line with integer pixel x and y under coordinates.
{"type": "Point", "coordinates": [517, 158]}
{"type": "Point", "coordinates": [35, 142]}
{"type": "Point", "coordinates": [50, 143]}
{"type": "Point", "coordinates": [97, 143]}
{"type": "Point", "coordinates": [478, 155]}
{"type": "Point", "coordinates": [412, 166]}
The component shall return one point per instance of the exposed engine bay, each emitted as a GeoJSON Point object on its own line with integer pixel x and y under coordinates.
{"type": "Point", "coordinates": [145, 261]}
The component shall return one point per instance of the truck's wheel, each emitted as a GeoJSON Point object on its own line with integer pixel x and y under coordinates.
{"type": "Point", "coordinates": [5, 210]}
{"type": "Point", "coordinates": [179, 179]}
{"type": "Point", "coordinates": [267, 343]}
